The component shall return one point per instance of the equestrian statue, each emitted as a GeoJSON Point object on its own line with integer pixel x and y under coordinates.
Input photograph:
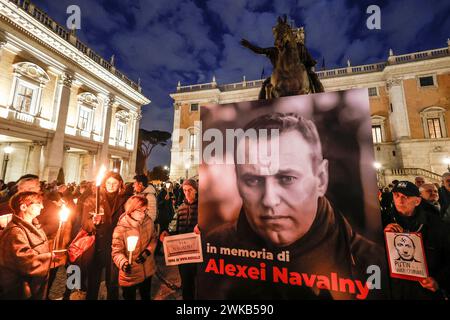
{"type": "Point", "coordinates": [292, 64]}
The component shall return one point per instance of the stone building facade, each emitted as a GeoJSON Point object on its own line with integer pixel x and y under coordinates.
{"type": "Point", "coordinates": [61, 104]}
{"type": "Point", "coordinates": [409, 102]}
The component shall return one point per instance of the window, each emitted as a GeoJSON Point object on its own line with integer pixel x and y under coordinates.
{"type": "Point", "coordinates": [192, 142]}
{"type": "Point", "coordinates": [377, 134]}
{"type": "Point", "coordinates": [378, 125]}
{"type": "Point", "coordinates": [24, 100]}
{"type": "Point", "coordinates": [84, 119]}
{"type": "Point", "coordinates": [434, 128]}
{"type": "Point", "coordinates": [194, 107]}
{"type": "Point", "coordinates": [426, 81]}
{"type": "Point", "coordinates": [121, 131]}
{"type": "Point", "coordinates": [116, 165]}
{"type": "Point", "coordinates": [373, 92]}
{"type": "Point", "coordinates": [433, 122]}
{"type": "Point", "coordinates": [28, 81]}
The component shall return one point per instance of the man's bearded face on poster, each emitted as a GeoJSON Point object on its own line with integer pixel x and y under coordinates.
{"type": "Point", "coordinates": [280, 199]}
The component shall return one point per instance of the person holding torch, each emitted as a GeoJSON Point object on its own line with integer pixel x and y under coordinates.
{"type": "Point", "coordinates": [57, 225]}
{"type": "Point", "coordinates": [133, 247]}
{"type": "Point", "coordinates": [101, 217]}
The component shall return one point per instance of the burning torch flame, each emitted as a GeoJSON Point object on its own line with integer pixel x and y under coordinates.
{"type": "Point", "coordinates": [100, 175]}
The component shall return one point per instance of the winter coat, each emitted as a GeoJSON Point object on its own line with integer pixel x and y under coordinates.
{"type": "Point", "coordinates": [165, 210]}
{"type": "Point", "coordinates": [444, 200]}
{"type": "Point", "coordinates": [49, 221]}
{"type": "Point", "coordinates": [436, 241]}
{"type": "Point", "coordinates": [136, 224]}
{"type": "Point", "coordinates": [431, 208]}
{"type": "Point", "coordinates": [5, 208]}
{"type": "Point", "coordinates": [150, 194]}
{"type": "Point", "coordinates": [103, 231]}
{"type": "Point", "coordinates": [25, 259]}
{"type": "Point", "coordinates": [77, 217]}
{"type": "Point", "coordinates": [187, 215]}
{"type": "Point", "coordinates": [179, 195]}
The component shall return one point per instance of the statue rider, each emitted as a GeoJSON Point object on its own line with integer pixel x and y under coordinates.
{"type": "Point", "coordinates": [308, 61]}
{"type": "Point", "coordinates": [304, 55]}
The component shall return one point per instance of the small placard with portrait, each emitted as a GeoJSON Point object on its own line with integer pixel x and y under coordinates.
{"type": "Point", "coordinates": [406, 256]}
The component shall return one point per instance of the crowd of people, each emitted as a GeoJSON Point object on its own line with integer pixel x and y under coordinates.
{"type": "Point", "coordinates": [423, 208]}
{"type": "Point", "coordinates": [33, 237]}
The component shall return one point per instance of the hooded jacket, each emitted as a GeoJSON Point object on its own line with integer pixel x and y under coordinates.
{"type": "Point", "coordinates": [135, 224]}
{"type": "Point", "coordinates": [25, 259]}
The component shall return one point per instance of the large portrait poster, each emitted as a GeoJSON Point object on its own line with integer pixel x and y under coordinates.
{"type": "Point", "coordinates": [288, 201]}
{"type": "Point", "coordinates": [406, 256]}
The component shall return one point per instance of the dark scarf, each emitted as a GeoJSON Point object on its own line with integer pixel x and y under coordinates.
{"type": "Point", "coordinates": [325, 248]}
{"type": "Point", "coordinates": [112, 199]}
{"type": "Point", "coordinates": [413, 223]}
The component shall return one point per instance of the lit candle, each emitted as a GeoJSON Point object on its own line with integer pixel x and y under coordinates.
{"type": "Point", "coordinates": [131, 246]}
{"type": "Point", "coordinates": [63, 216]}
{"type": "Point", "coordinates": [100, 176]}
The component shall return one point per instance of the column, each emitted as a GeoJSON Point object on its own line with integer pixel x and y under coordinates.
{"type": "Point", "coordinates": [34, 158]}
{"type": "Point", "coordinates": [2, 44]}
{"type": "Point", "coordinates": [107, 112]}
{"type": "Point", "coordinates": [136, 117]}
{"type": "Point", "coordinates": [87, 166]}
{"type": "Point", "coordinates": [176, 163]}
{"type": "Point", "coordinates": [399, 114]}
{"type": "Point", "coordinates": [16, 77]}
{"type": "Point", "coordinates": [39, 105]}
{"type": "Point", "coordinates": [3, 91]}
{"type": "Point", "coordinates": [55, 152]}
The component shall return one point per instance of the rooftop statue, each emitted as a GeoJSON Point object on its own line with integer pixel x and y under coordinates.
{"type": "Point", "coordinates": [292, 64]}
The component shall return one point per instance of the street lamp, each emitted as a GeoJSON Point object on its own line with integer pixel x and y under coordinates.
{"type": "Point", "coordinates": [166, 168]}
{"type": "Point", "coordinates": [7, 151]}
{"type": "Point", "coordinates": [447, 162]}
{"type": "Point", "coordinates": [377, 165]}
{"type": "Point", "coordinates": [187, 166]}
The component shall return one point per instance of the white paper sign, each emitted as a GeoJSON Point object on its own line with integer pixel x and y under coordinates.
{"type": "Point", "coordinates": [183, 248]}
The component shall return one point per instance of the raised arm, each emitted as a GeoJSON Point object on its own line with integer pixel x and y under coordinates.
{"type": "Point", "coordinates": [255, 49]}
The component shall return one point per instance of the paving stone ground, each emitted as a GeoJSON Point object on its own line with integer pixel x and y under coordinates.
{"type": "Point", "coordinates": [165, 284]}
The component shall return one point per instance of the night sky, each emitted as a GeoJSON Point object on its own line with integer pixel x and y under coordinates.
{"type": "Point", "coordinates": [166, 41]}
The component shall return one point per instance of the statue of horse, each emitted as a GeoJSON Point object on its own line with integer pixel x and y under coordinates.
{"type": "Point", "coordinates": [289, 76]}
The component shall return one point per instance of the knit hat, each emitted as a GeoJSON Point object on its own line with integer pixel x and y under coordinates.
{"type": "Point", "coordinates": [192, 183]}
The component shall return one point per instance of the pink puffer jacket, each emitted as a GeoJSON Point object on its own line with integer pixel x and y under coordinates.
{"type": "Point", "coordinates": [136, 224]}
